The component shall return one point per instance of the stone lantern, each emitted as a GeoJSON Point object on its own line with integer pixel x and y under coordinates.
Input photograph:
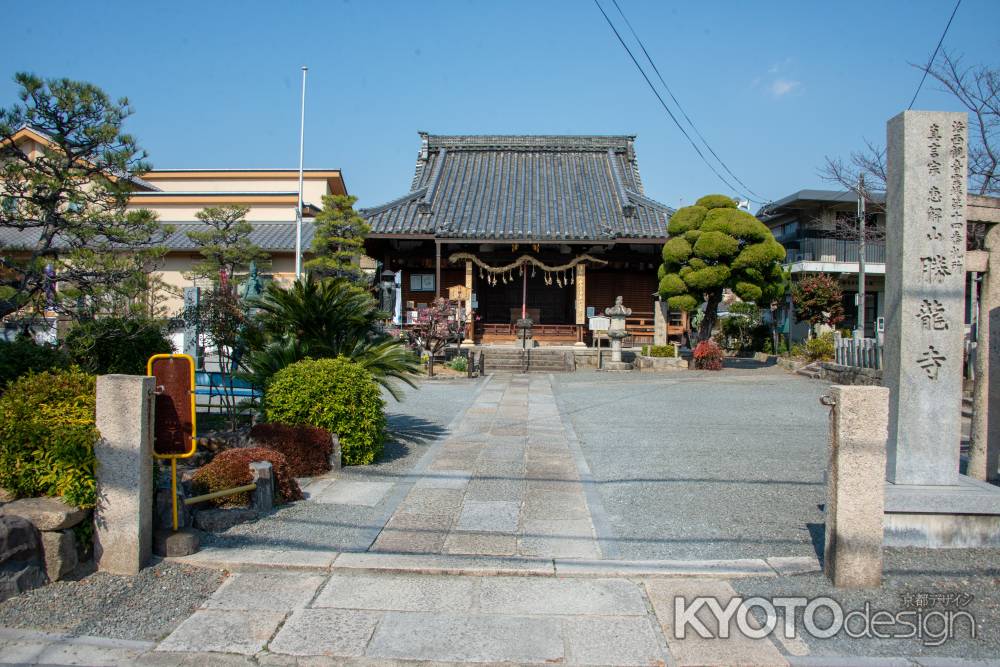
{"type": "Point", "coordinates": [616, 332]}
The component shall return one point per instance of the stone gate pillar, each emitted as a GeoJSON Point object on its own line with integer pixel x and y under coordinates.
{"type": "Point", "coordinates": [925, 287]}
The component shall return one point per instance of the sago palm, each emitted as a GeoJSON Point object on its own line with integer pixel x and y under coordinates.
{"type": "Point", "coordinates": [327, 317]}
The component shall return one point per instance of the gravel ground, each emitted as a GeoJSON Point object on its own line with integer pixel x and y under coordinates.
{"type": "Point", "coordinates": [702, 465]}
{"type": "Point", "coordinates": [907, 572]}
{"type": "Point", "coordinates": [146, 607]}
{"type": "Point", "coordinates": [415, 424]}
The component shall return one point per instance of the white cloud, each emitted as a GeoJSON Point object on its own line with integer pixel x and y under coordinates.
{"type": "Point", "coordinates": [780, 87]}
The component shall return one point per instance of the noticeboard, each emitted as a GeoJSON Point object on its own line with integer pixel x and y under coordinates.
{"type": "Point", "coordinates": [459, 293]}
{"type": "Point", "coordinates": [174, 424]}
{"type": "Point", "coordinates": [599, 323]}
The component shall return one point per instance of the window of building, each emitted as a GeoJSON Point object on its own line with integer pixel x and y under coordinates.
{"type": "Point", "coordinates": [422, 282]}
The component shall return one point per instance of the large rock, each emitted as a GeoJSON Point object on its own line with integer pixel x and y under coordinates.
{"type": "Point", "coordinates": [22, 564]}
{"type": "Point", "coordinates": [182, 543]}
{"type": "Point", "coordinates": [45, 513]}
{"type": "Point", "coordinates": [218, 520]}
{"type": "Point", "coordinates": [60, 553]}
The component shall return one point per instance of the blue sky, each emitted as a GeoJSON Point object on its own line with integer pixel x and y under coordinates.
{"type": "Point", "coordinates": [774, 86]}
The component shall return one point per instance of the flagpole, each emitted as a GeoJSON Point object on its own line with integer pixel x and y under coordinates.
{"type": "Point", "coordinates": [298, 211]}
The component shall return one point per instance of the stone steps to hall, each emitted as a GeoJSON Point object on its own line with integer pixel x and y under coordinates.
{"type": "Point", "coordinates": [537, 360]}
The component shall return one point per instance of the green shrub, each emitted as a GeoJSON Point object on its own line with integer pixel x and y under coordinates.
{"type": "Point", "coordinates": [231, 468]}
{"type": "Point", "coordinates": [47, 436]}
{"type": "Point", "coordinates": [659, 351]}
{"type": "Point", "coordinates": [333, 394]}
{"type": "Point", "coordinates": [24, 355]}
{"type": "Point", "coordinates": [820, 348]}
{"type": "Point", "coordinates": [116, 345]}
{"type": "Point", "coordinates": [459, 363]}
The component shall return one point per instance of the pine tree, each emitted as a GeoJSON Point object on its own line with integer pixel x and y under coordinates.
{"type": "Point", "coordinates": [226, 244]}
{"type": "Point", "coordinates": [714, 246]}
{"type": "Point", "coordinates": [68, 203]}
{"type": "Point", "coordinates": [339, 241]}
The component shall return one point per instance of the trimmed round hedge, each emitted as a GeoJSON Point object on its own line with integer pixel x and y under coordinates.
{"type": "Point", "coordinates": [337, 395]}
{"type": "Point", "coordinates": [47, 436]}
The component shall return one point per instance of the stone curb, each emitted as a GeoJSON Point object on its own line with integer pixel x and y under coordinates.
{"type": "Point", "coordinates": [16, 634]}
{"type": "Point", "coordinates": [385, 562]}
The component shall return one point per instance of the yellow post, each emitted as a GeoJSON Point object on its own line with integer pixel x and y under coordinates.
{"type": "Point", "coordinates": [173, 489]}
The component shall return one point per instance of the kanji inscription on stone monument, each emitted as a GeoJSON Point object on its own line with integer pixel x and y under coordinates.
{"type": "Point", "coordinates": [925, 279]}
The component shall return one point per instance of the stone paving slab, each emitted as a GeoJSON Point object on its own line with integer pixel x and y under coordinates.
{"type": "Point", "coordinates": [467, 638]}
{"type": "Point", "coordinates": [326, 632]}
{"type": "Point", "coordinates": [384, 592]}
{"type": "Point", "coordinates": [414, 533]}
{"type": "Point", "coordinates": [611, 640]}
{"type": "Point", "coordinates": [444, 564]}
{"type": "Point", "coordinates": [474, 543]}
{"type": "Point", "coordinates": [224, 631]}
{"type": "Point", "coordinates": [433, 501]}
{"type": "Point", "coordinates": [692, 649]}
{"type": "Point", "coordinates": [269, 591]}
{"type": "Point", "coordinates": [530, 596]}
{"type": "Point", "coordinates": [351, 492]}
{"type": "Point", "coordinates": [572, 538]}
{"type": "Point", "coordinates": [444, 479]}
{"type": "Point", "coordinates": [497, 516]}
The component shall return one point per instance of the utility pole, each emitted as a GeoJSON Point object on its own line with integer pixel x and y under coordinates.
{"type": "Point", "coordinates": [298, 210]}
{"type": "Point", "coordinates": [860, 330]}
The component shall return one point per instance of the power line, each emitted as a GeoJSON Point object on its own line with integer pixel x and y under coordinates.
{"type": "Point", "coordinates": [933, 56]}
{"type": "Point", "coordinates": [664, 104]}
{"type": "Point", "coordinates": [677, 102]}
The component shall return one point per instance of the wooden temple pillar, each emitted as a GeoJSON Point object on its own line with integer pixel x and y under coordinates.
{"type": "Point", "coordinates": [470, 325]}
{"type": "Point", "coordinates": [437, 269]}
{"type": "Point", "coordinates": [581, 303]}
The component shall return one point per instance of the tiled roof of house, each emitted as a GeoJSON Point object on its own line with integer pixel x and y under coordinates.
{"type": "Point", "coordinates": [524, 187]}
{"type": "Point", "coordinates": [269, 236]}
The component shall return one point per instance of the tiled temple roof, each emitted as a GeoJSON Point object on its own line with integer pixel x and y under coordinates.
{"type": "Point", "coordinates": [524, 187]}
{"type": "Point", "coordinates": [269, 236]}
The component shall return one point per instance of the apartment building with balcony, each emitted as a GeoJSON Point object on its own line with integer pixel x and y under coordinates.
{"type": "Point", "coordinates": [819, 231]}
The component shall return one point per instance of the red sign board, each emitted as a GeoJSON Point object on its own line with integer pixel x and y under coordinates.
{"type": "Point", "coordinates": [174, 427]}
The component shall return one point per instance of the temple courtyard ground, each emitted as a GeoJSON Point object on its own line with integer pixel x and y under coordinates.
{"type": "Point", "coordinates": [529, 519]}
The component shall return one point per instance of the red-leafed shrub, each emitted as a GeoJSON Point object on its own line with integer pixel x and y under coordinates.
{"type": "Point", "coordinates": [307, 449]}
{"type": "Point", "coordinates": [708, 356]}
{"type": "Point", "coordinates": [231, 468]}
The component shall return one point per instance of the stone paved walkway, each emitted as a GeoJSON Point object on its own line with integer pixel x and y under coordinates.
{"type": "Point", "coordinates": [504, 482]}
